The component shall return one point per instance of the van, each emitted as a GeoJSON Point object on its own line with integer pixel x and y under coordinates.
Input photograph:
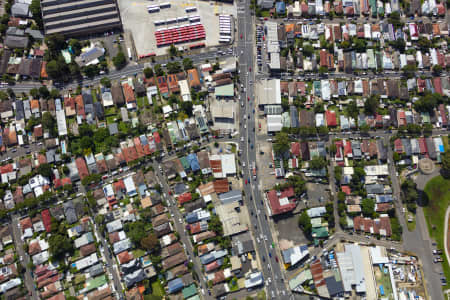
{"type": "Point", "coordinates": [269, 140]}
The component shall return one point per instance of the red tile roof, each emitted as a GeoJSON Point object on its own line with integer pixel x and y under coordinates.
{"type": "Point", "coordinates": [331, 118]}
{"type": "Point", "coordinates": [124, 257]}
{"type": "Point", "coordinates": [46, 219]}
{"type": "Point", "coordinates": [128, 93]}
{"type": "Point", "coordinates": [295, 148]}
{"type": "Point", "coordinates": [82, 168]}
{"type": "Point", "coordinates": [274, 200]}
{"type": "Point", "coordinates": [183, 198]}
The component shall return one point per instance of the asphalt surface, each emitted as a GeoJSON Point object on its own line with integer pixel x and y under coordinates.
{"type": "Point", "coordinates": [131, 69]}
{"type": "Point", "coordinates": [179, 224]}
{"type": "Point", "coordinates": [254, 199]}
{"type": "Point", "coordinates": [24, 258]}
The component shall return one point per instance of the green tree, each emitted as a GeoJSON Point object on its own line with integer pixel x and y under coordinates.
{"type": "Point", "coordinates": [136, 231]}
{"type": "Point", "coordinates": [75, 45]}
{"type": "Point", "coordinates": [45, 170]}
{"type": "Point", "coordinates": [35, 9]}
{"type": "Point", "coordinates": [173, 50]}
{"type": "Point", "coordinates": [308, 50]}
{"type": "Point", "coordinates": [173, 67]}
{"type": "Point", "coordinates": [352, 110]}
{"type": "Point", "coordinates": [445, 170]}
{"type": "Point", "coordinates": [322, 70]}
{"type": "Point", "coordinates": [317, 163]}
{"type": "Point", "coordinates": [304, 221]}
{"type": "Point", "coordinates": [215, 225]}
{"type": "Point", "coordinates": [187, 63]}
{"type": "Point", "coordinates": [105, 82]}
{"type": "Point", "coordinates": [53, 69]}
{"type": "Point", "coordinates": [49, 123]}
{"type": "Point", "coordinates": [158, 70]}
{"type": "Point", "coordinates": [437, 70]}
{"type": "Point", "coordinates": [59, 245]}
{"type": "Point", "coordinates": [360, 45]}
{"type": "Point", "coordinates": [150, 243]}
{"type": "Point", "coordinates": [148, 72]}
{"type": "Point", "coordinates": [371, 105]}
{"type": "Point", "coordinates": [281, 144]}
{"type": "Point", "coordinates": [409, 71]}
{"type": "Point", "coordinates": [119, 60]}
{"type": "Point", "coordinates": [34, 92]}
{"type": "Point", "coordinates": [368, 207]}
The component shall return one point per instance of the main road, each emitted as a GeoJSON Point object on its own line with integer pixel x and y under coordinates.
{"type": "Point", "coordinates": [273, 275]}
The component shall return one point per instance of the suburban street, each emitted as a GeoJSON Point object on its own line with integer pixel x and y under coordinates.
{"type": "Point", "coordinates": [180, 228]}
{"type": "Point", "coordinates": [25, 258]}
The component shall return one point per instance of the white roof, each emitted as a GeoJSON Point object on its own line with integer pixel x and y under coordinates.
{"type": "Point", "coordinates": [378, 255]}
{"type": "Point", "coordinates": [129, 185]}
{"type": "Point", "coordinates": [274, 123]}
{"type": "Point", "coordinates": [228, 164]}
{"type": "Point", "coordinates": [86, 261]}
{"type": "Point", "coordinates": [107, 99]}
{"type": "Point", "coordinates": [359, 280]}
{"type": "Point", "coordinates": [378, 170]}
{"type": "Point", "coordinates": [268, 92]}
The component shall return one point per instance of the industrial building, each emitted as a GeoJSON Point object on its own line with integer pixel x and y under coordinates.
{"type": "Point", "coordinates": [82, 17]}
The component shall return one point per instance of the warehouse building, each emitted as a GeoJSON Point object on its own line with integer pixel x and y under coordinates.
{"type": "Point", "coordinates": [81, 17]}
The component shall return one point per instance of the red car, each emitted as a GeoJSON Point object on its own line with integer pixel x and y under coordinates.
{"type": "Point", "coordinates": [276, 258]}
{"type": "Point", "coordinates": [248, 98]}
{"type": "Point", "coordinates": [250, 69]}
{"type": "Point", "coordinates": [246, 182]}
{"type": "Point", "coordinates": [241, 36]}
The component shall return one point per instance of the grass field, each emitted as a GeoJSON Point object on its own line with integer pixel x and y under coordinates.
{"type": "Point", "coordinates": [438, 192]}
{"type": "Point", "coordinates": [157, 289]}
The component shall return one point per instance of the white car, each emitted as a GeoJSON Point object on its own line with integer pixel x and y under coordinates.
{"type": "Point", "coordinates": [242, 139]}
{"type": "Point", "coordinates": [257, 240]}
{"type": "Point", "coordinates": [180, 220]}
{"type": "Point", "coordinates": [243, 164]}
{"type": "Point", "coordinates": [265, 238]}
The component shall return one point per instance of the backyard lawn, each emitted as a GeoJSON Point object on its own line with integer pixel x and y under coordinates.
{"type": "Point", "coordinates": [438, 193]}
{"type": "Point", "coordinates": [157, 288]}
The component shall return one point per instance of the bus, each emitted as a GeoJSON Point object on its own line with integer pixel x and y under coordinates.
{"type": "Point", "coordinates": [190, 9]}
{"type": "Point", "coordinates": [224, 40]}
{"type": "Point", "coordinates": [165, 5]}
{"type": "Point", "coordinates": [151, 54]}
{"type": "Point", "coordinates": [153, 10]}
{"type": "Point", "coordinates": [198, 45]}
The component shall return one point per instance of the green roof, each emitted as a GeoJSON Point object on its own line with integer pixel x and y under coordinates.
{"type": "Point", "coordinates": [224, 90]}
{"type": "Point", "coordinates": [319, 232]}
{"type": "Point", "coordinates": [184, 162]}
{"type": "Point", "coordinates": [95, 283]}
{"type": "Point", "coordinates": [189, 291]}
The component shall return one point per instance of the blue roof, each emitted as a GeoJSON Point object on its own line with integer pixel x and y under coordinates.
{"type": "Point", "coordinates": [193, 161]}
{"type": "Point", "coordinates": [281, 7]}
{"type": "Point", "coordinates": [207, 258]}
{"type": "Point", "coordinates": [175, 285]}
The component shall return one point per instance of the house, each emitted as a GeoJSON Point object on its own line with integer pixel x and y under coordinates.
{"type": "Point", "coordinates": [193, 79]}
{"type": "Point", "coordinates": [81, 167]}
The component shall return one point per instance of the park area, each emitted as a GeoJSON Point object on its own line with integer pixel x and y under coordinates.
{"type": "Point", "coordinates": [437, 191]}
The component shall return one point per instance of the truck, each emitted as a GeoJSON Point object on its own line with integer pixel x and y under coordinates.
{"type": "Point", "coordinates": [254, 170]}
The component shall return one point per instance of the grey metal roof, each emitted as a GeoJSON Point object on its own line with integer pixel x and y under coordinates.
{"type": "Point", "coordinates": [231, 196]}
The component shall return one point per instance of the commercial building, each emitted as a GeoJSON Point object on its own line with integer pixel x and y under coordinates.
{"type": "Point", "coordinates": [80, 17]}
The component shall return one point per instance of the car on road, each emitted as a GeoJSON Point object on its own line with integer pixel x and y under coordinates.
{"type": "Point", "coordinates": [265, 238]}
{"type": "Point", "coordinates": [242, 139]}
{"type": "Point", "coordinates": [248, 98]}
{"type": "Point", "coordinates": [241, 36]}
{"type": "Point", "coordinates": [180, 220]}
{"type": "Point", "coordinates": [276, 258]}
{"type": "Point", "coordinates": [246, 182]}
